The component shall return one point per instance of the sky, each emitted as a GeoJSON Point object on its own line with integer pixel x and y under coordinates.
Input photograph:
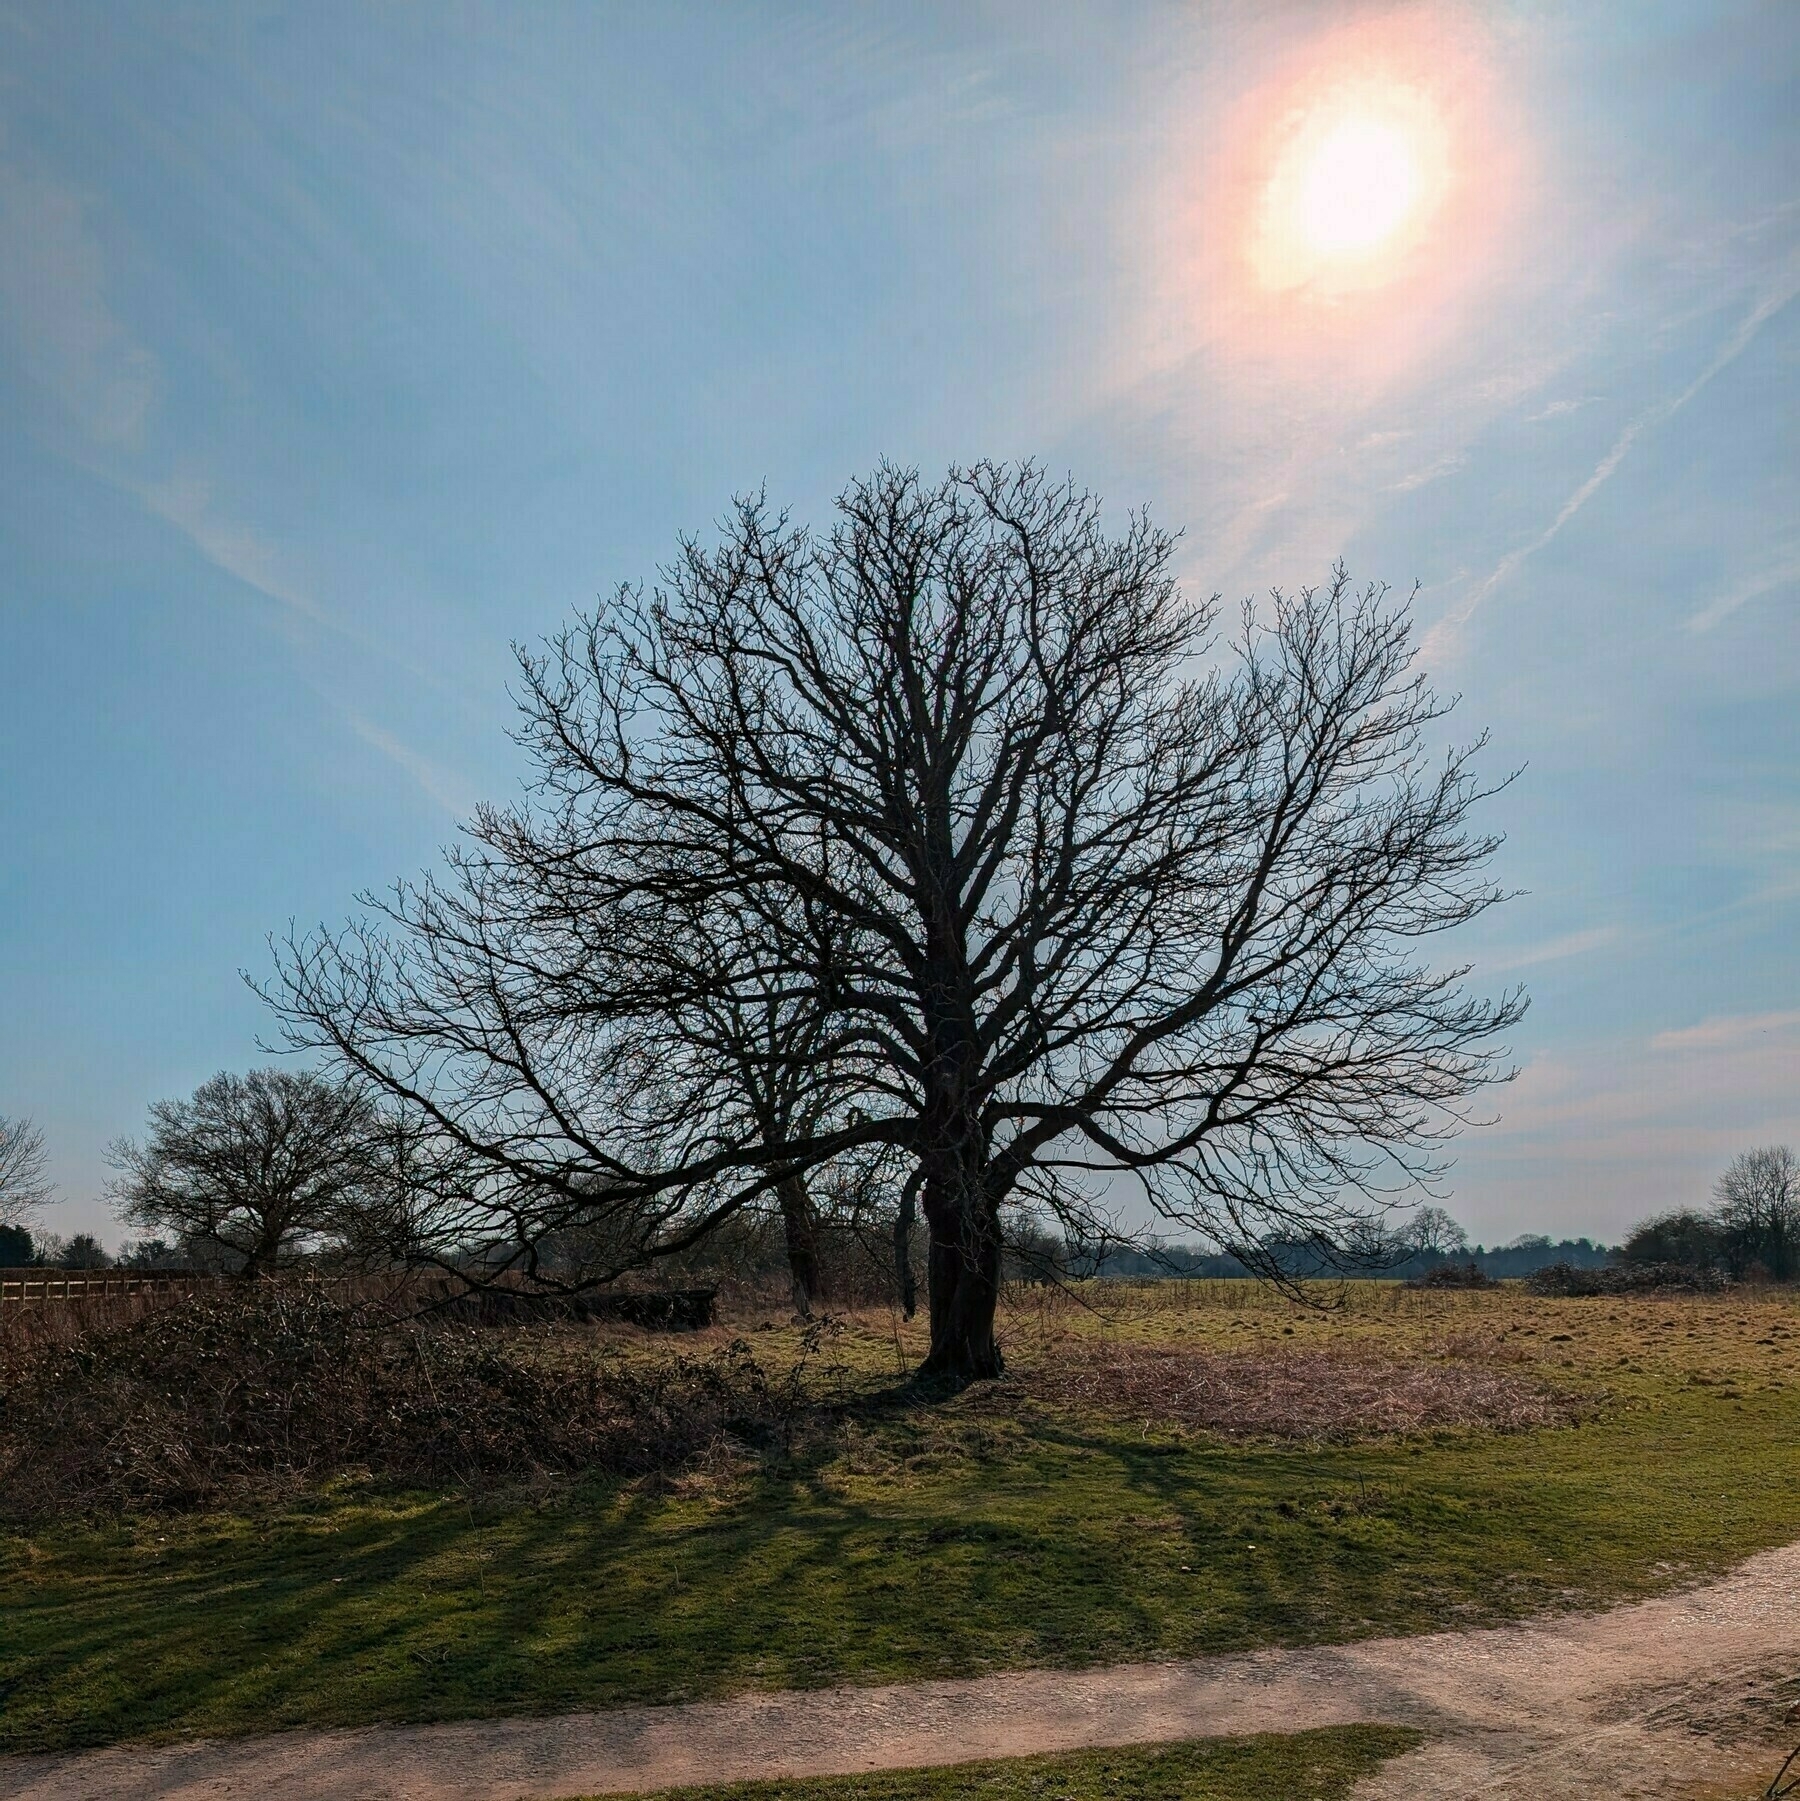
{"type": "Point", "coordinates": [342, 347]}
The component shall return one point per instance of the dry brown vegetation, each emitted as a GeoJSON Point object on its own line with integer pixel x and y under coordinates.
{"type": "Point", "coordinates": [1299, 1395]}
{"type": "Point", "coordinates": [245, 1393]}
{"type": "Point", "coordinates": [1742, 1339]}
{"type": "Point", "coordinates": [234, 1395]}
{"type": "Point", "coordinates": [1376, 1359]}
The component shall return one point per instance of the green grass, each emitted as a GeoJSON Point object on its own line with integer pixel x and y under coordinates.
{"type": "Point", "coordinates": [1303, 1766]}
{"type": "Point", "coordinates": [986, 1535]}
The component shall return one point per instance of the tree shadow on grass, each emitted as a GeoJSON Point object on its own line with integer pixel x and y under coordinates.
{"type": "Point", "coordinates": [989, 1538]}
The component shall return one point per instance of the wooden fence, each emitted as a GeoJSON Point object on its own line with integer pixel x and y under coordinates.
{"type": "Point", "coordinates": [668, 1310]}
{"type": "Point", "coordinates": [35, 1284]}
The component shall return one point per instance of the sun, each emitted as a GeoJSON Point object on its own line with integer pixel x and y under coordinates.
{"type": "Point", "coordinates": [1358, 188]}
{"type": "Point", "coordinates": [1354, 179]}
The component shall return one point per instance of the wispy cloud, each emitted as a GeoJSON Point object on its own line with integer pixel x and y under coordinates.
{"type": "Point", "coordinates": [1553, 950]}
{"type": "Point", "coordinates": [1599, 1135]}
{"type": "Point", "coordinates": [54, 308]}
{"type": "Point", "coordinates": [1728, 1032]}
{"type": "Point", "coordinates": [1629, 1105]}
{"type": "Point", "coordinates": [1442, 641]}
{"type": "Point", "coordinates": [103, 386]}
{"type": "Point", "coordinates": [1447, 465]}
{"type": "Point", "coordinates": [185, 502]}
{"type": "Point", "coordinates": [55, 311]}
{"type": "Point", "coordinates": [1784, 574]}
{"type": "Point", "coordinates": [443, 786]}
{"type": "Point", "coordinates": [1559, 409]}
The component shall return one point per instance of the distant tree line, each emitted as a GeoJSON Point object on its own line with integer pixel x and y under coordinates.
{"type": "Point", "coordinates": [1751, 1230]}
{"type": "Point", "coordinates": [1419, 1242]}
{"type": "Point", "coordinates": [1519, 1257]}
{"type": "Point", "coordinates": [280, 1168]}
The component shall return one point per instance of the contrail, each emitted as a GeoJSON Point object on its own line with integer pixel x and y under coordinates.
{"type": "Point", "coordinates": [1439, 642]}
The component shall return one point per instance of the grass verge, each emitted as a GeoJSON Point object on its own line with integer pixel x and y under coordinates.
{"type": "Point", "coordinates": [997, 1532]}
{"type": "Point", "coordinates": [1302, 1766]}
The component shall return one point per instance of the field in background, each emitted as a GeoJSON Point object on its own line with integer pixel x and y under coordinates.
{"type": "Point", "coordinates": [1164, 1474]}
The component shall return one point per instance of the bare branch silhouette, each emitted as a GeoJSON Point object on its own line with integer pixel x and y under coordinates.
{"type": "Point", "coordinates": [958, 834]}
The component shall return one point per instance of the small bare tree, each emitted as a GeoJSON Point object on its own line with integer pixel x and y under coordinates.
{"type": "Point", "coordinates": [1758, 1203]}
{"type": "Point", "coordinates": [774, 1057]}
{"type": "Point", "coordinates": [1061, 894]}
{"type": "Point", "coordinates": [405, 1193]}
{"type": "Point", "coordinates": [25, 1184]}
{"type": "Point", "coordinates": [251, 1169]}
{"type": "Point", "coordinates": [1431, 1232]}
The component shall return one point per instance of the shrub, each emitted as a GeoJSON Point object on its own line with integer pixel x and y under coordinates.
{"type": "Point", "coordinates": [1691, 1240]}
{"type": "Point", "coordinates": [247, 1393]}
{"type": "Point", "coordinates": [1468, 1274]}
{"type": "Point", "coordinates": [1630, 1278]}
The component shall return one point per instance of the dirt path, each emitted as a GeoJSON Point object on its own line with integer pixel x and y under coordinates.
{"type": "Point", "coordinates": [1662, 1698]}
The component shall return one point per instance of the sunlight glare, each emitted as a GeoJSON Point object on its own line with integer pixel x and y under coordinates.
{"type": "Point", "coordinates": [1354, 177]}
{"type": "Point", "coordinates": [1361, 185]}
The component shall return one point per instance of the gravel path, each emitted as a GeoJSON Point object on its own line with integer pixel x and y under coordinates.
{"type": "Point", "coordinates": [1647, 1700]}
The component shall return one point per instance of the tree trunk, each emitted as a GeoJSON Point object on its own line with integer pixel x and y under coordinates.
{"type": "Point", "coordinates": [964, 1277]}
{"type": "Point", "coordinates": [800, 1228]}
{"type": "Point", "coordinates": [904, 1221]}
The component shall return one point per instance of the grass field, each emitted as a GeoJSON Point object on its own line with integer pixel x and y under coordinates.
{"type": "Point", "coordinates": [1303, 1766]}
{"type": "Point", "coordinates": [996, 1531]}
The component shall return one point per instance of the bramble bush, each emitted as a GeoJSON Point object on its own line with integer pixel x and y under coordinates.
{"type": "Point", "coordinates": [249, 1392]}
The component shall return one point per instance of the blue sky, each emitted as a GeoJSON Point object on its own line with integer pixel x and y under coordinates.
{"type": "Point", "coordinates": [340, 347]}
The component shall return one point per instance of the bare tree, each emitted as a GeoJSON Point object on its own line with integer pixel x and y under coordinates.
{"type": "Point", "coordinates": [1685, 1236]}
{"type": "Point", "coordinates": [1431, 1232]}
{"type": "Point", "coordinates": [403, 1198]}
{"type": "Point", "coordinates": [252, 1168]}
{"type": "Point", "coordinates": [778, 1051]}
{"type": "Point", "coordinates": [24, 1179]}
{"type": "Point", "coordinates": [1758, 1202]}
{"type": "Point", "coordinates": [1071, 896]}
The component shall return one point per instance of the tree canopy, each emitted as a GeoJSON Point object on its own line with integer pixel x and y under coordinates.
{"type": "Point", "coordinates": [956, 825]}
{"type": "Point", "coordinates": [253, 1169]}
{"type": "Point", "coordinates": [25, 1183]}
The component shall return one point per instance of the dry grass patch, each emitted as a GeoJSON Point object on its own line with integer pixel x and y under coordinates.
{"type": "Point", "coordinates": [1297, 1395]}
